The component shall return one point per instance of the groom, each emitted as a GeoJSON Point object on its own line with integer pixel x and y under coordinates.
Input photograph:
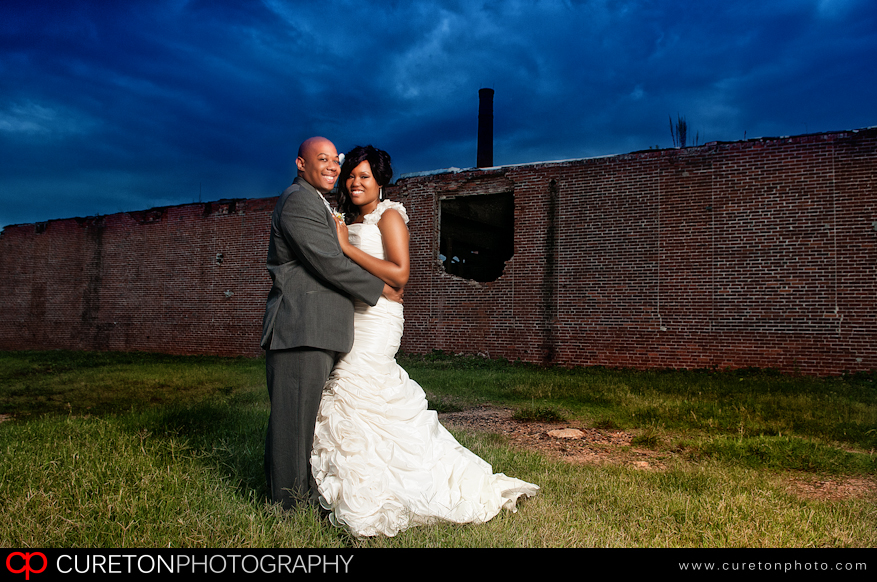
{"type": "Point", "coordinates": [308, 318]}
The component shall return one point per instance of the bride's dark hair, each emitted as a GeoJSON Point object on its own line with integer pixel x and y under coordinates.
{"type": "Point", "coordinates": [379, 160]}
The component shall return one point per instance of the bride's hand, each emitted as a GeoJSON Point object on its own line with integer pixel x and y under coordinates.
{"type": "Point", "coordinates": [393, 293]}
{"type": "Point", "coordinates": [343, 237]}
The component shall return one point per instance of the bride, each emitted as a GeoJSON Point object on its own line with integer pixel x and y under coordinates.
{"type": "Point", "coordinates": [381, 460]}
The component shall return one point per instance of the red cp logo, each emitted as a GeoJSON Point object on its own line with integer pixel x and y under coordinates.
{"type": "Point", "coordinates": [27, 568]}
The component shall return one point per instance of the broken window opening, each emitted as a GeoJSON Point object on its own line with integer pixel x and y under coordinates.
{"type": "Point", "coordinates": [477, 235]}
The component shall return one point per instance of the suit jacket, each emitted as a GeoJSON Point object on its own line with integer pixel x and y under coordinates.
{"type": "Point", "coordinates": [310, 302]}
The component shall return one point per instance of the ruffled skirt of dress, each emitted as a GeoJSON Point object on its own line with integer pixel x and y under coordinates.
{"type": "Point", "coordinates": [381, 459]}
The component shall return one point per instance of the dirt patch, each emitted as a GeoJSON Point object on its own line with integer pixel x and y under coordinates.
{"type": "Point", "coordinates": [833, 489]}
{"type": "Point", "coordinates": [575, 443]}
{"type": "Point", "coordinates": [571, 441]}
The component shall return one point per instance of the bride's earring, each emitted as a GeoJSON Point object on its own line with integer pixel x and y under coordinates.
{"type": "Point", "coordinates": [381, 194]}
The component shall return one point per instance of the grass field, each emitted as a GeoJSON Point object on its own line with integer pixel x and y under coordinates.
{"type": "Point", "coordinates": [147, 450]}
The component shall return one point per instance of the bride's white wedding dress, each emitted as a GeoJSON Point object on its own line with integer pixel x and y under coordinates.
{"type": "Point", "coordinates": [381, 460]}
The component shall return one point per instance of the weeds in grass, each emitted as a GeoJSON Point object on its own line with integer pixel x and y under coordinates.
{"type": "Point", "coordinates": [605, 424]}
{"type": "Point", "coordinates": [536, 413]}
{"type": "Point", "coordinates": [648, 439]}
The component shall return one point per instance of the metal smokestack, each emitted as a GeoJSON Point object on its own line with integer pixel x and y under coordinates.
{"type": "Point", "coordinates": [485, 128]}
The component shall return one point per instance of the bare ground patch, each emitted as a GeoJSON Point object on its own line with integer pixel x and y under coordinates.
{"type": "Point", "coordinates": [833, 489]}
{"type": "Point", "coordinates": [575, 443]}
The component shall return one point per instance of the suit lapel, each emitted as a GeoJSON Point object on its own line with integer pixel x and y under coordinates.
{"type": "Point", "coordinates": [307, 186]}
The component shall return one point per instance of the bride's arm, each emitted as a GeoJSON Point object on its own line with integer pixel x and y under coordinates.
{"type": "Point", "coordinates": [395, 269]}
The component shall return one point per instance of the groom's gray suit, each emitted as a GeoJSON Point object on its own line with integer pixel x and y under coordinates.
{"type": "Point", "coordinates": [308, 322]}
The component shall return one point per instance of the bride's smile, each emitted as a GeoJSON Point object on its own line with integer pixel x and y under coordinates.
{"type": "Point", "coordinates": [363, 188]}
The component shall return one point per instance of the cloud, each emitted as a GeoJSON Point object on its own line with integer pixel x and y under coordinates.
{"type": "Point", "coordinates": [156, 101]}
{"type": "Point", "coordinates": [32, 119]}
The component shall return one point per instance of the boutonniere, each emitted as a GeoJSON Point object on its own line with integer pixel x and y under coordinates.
{"type": "Point", "coordinates": [338, 215]}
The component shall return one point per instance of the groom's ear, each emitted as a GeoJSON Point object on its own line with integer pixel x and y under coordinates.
{"type": "Point", "coordinates": [300, 164]}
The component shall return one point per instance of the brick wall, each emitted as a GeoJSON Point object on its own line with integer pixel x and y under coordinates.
{"type": "Point", "coordinates": [150, 281]}
{"type": "Point", "coordinates": [756, 253]}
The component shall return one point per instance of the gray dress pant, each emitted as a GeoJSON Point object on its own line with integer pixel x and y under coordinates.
{"type": "Point", "coordinates": [295, 386]}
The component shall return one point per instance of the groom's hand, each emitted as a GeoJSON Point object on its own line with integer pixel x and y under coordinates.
{"type": "Point", "coordinates": [393, 294]}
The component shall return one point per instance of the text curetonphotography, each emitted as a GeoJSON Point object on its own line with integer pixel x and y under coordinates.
{"type": "Point", "coordinates": [208, 564]}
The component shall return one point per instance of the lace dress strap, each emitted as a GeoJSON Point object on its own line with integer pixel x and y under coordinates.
{"type": "Point", "coordinates": [375, 215]}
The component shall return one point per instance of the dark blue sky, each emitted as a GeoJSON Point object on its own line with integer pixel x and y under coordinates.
{"type": "Point", "coordinates": [115, 106]}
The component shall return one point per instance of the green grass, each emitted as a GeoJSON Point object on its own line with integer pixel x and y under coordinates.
{"type": "Point", "coordinates": [61, 382]}
{"type": "Point", "coordinates": [144, 450]}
